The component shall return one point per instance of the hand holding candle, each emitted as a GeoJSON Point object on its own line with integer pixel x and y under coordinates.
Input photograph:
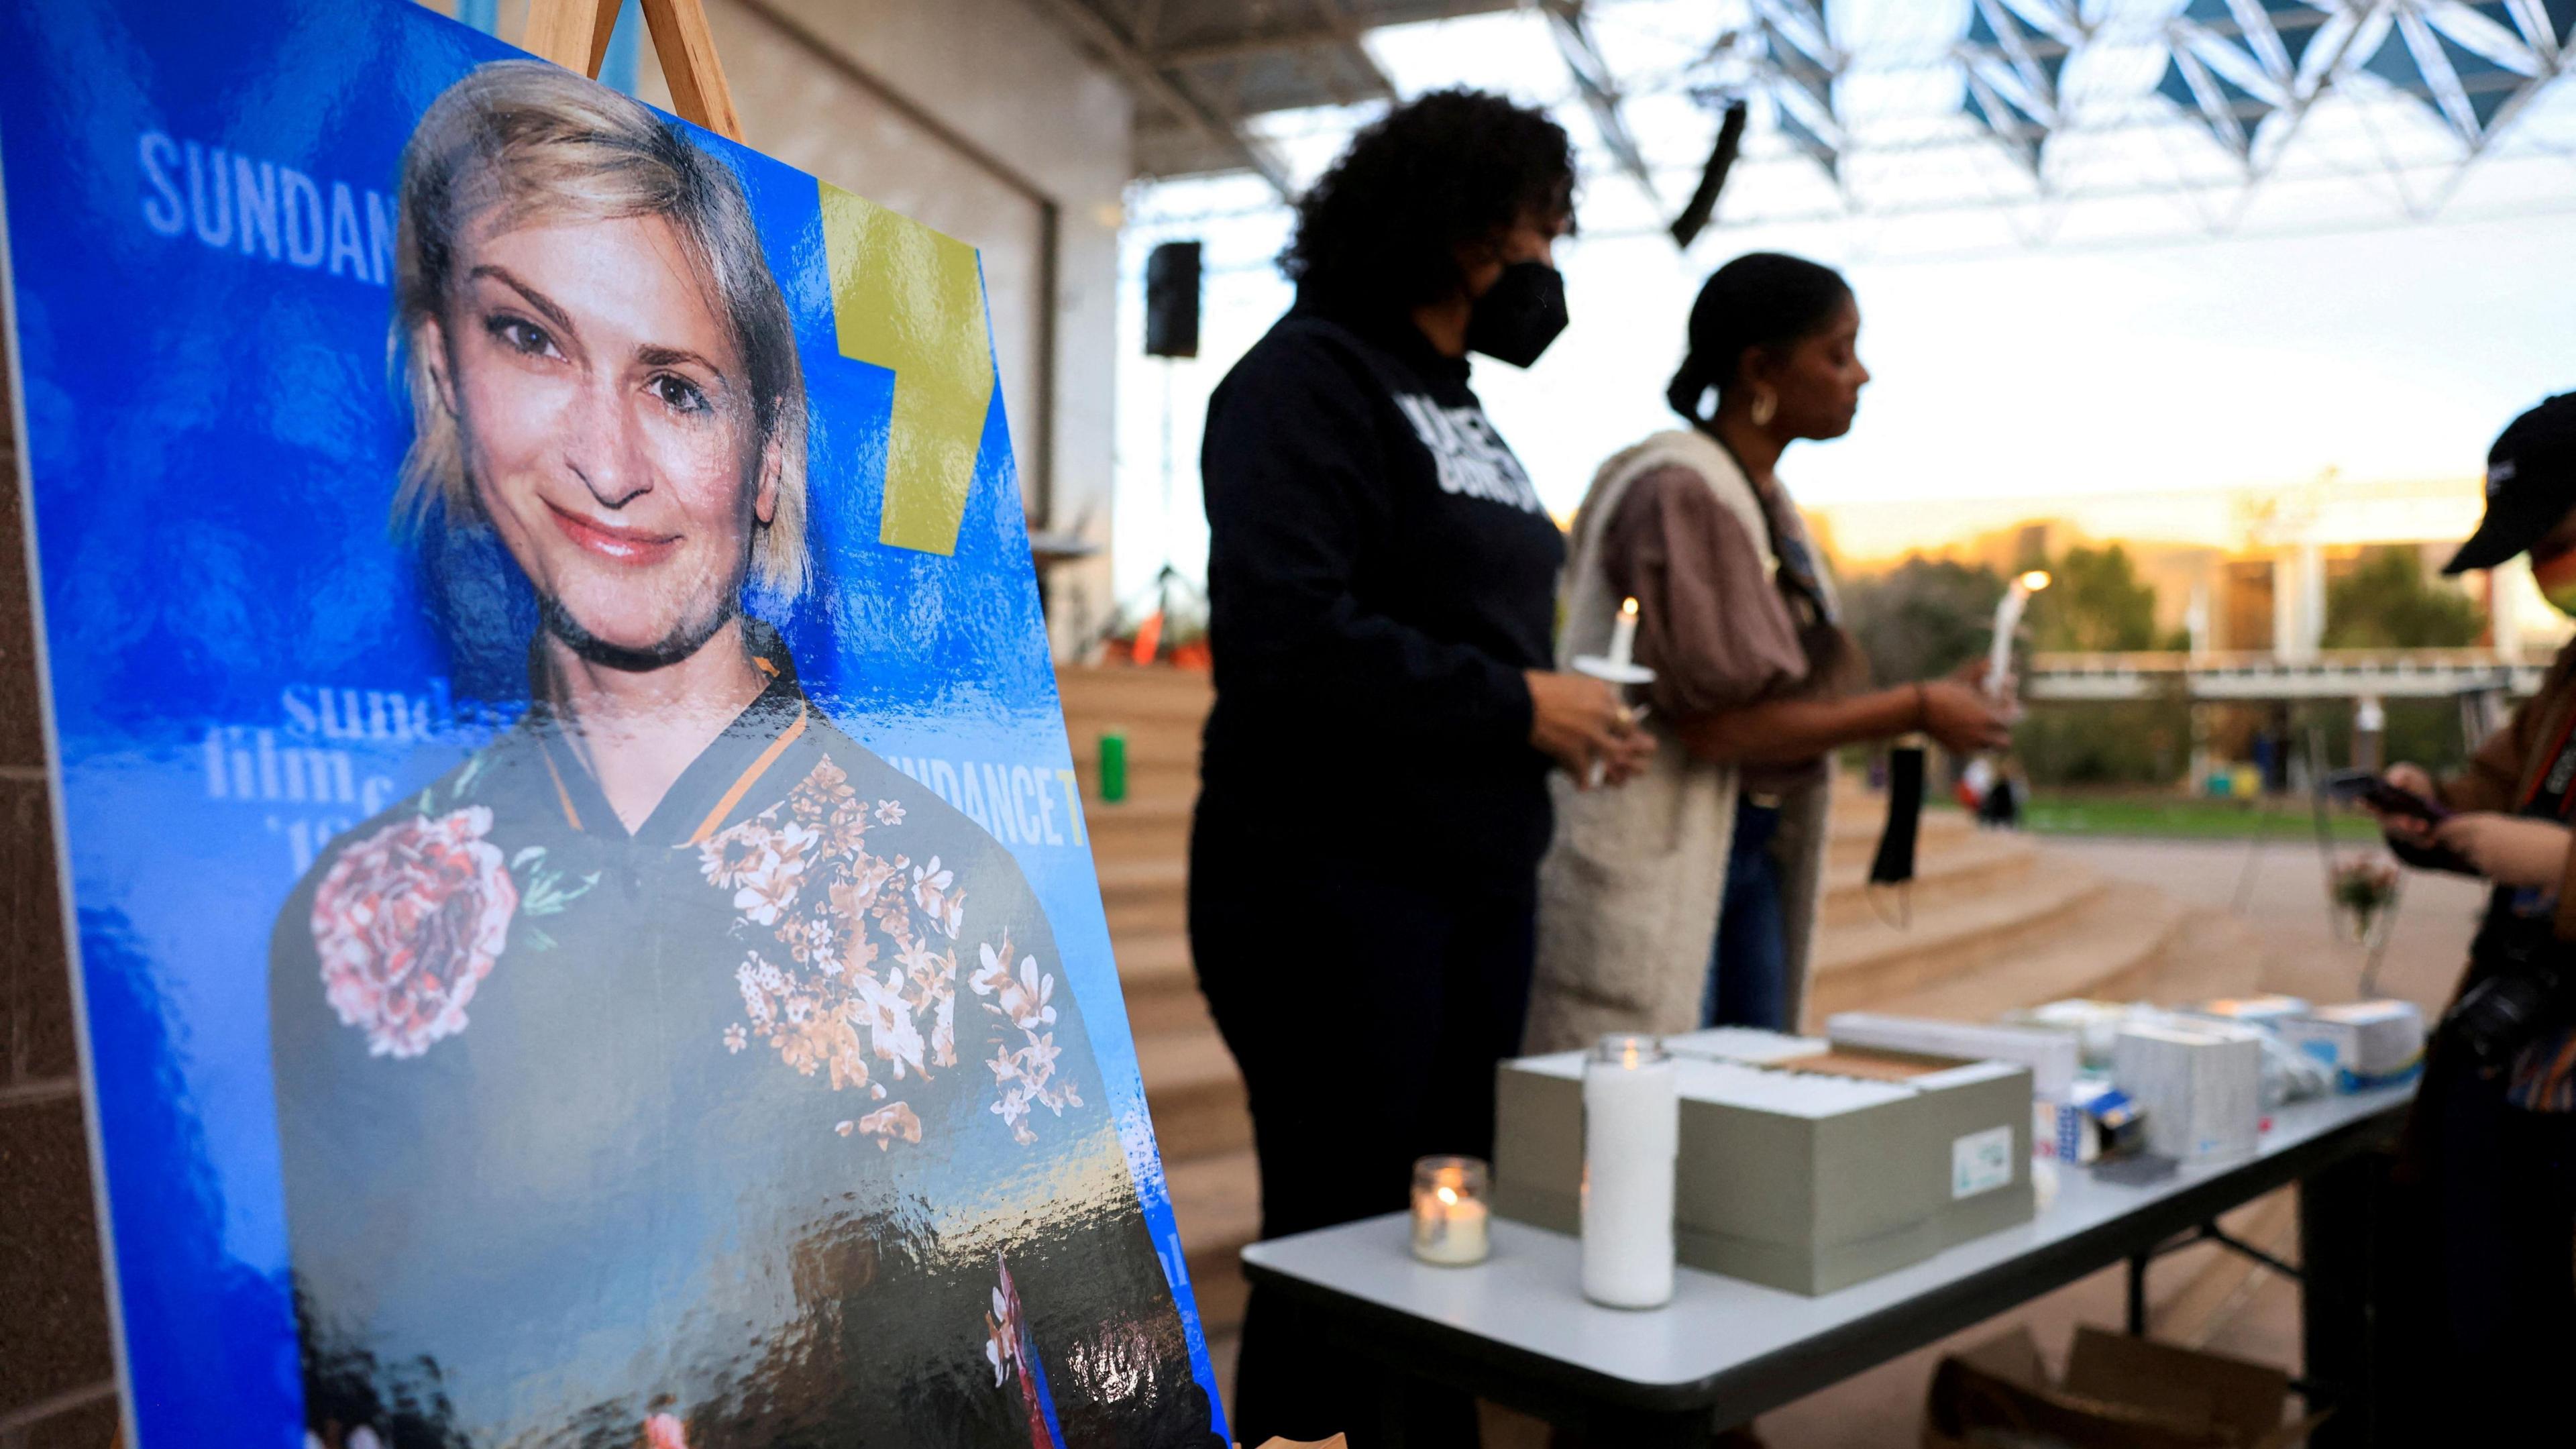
{"type": "Point", "coordinates": [1618, 669]}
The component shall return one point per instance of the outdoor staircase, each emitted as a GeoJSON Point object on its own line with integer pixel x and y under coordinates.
{"type": "Point", "coordinates": [1992, 921]}
{"type": "Point", "coordinates": [1141, 846]}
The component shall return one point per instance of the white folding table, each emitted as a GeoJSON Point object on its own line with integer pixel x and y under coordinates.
{"type": "Point", "coordinates": [1516, 1330]}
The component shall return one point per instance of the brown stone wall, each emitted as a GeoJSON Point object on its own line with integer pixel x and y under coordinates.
{"type": "Point", "coordinates": [57, 1378]}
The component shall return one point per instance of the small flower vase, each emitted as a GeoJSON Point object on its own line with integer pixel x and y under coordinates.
{"type": "Point", "coordinates": [2364, 892]}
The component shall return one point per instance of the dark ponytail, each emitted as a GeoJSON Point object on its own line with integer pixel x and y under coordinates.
{"type": "Point", "coordinates": [1761, 299]}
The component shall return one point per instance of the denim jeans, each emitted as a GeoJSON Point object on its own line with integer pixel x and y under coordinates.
{"type": "Point", "coordinates": [1748, 967]}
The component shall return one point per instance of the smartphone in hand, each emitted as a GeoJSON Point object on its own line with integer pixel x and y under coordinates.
{"type": "Point", "coordinates": [2365, 788]}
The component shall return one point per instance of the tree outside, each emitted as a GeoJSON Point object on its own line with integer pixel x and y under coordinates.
{"type": "Point", "coordinates": [1925, 617]}
{"type": "Point", "coordinates": [2387, 603]}
{"type": "Point", "coordinates": [2095, 603]}
{"type": "Point", "coordinates": [1922, 618]}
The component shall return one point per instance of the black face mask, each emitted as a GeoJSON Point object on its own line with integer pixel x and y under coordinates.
{"type": "Point", "coordinates": [1519, 315]}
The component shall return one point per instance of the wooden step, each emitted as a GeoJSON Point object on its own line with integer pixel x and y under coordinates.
{"type": "Point", "coordinates": [1174, 1011]}
{"type": "Point", "coordinates": [1155, 883]}
{"type": "Point", "coordinates": [1865, 962]}
{"type": "Point", "coordinates": [1138, 918]}
{"type": "Point", "coordinates": [1166, 782]}
{"type": "Point", "coordinates": [1194, 1093]}
{"type": "Point", "coordinates": [1855, 839]}
{"type": "Point", "coordinates": [1161, 990]}
{"type": "Point", "coordinates": [2111, 945]}
{"type": "Point", "coordinates": [1135, 694]}
{"type": "Point", "coordinates": [1153, 742]}
{"type": "Point", "coordinates": [1154, 962]}
{"type": "Point", "coordinates": [1138, 829]}
{"type": "Point", "coordinates": [1974, 865]}
{"type": "Point", "coordinates": [1216, 1202]}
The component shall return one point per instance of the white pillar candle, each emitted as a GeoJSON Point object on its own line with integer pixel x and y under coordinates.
{"type": "Point", "coordinates": [1631, 1135]}
{"type": "Point", "coordinates": [2008, 610]}
{"type": "Point", "coordinates": [1623, 635]}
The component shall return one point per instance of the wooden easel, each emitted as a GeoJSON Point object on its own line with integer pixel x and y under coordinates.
{"type": "Point", "coordinates": [574, 34]}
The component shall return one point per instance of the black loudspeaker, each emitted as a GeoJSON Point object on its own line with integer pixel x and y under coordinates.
{"type": "Point", "coordinates": [1172, 300]}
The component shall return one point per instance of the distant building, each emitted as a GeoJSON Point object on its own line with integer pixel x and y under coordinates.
{"type": "Point", "coordinates": [2241, 569]}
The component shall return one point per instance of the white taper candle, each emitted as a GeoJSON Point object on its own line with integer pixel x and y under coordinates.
{"type": "Point", "coordinates": [1623, 635]}
{"type": "Point", "coordinates": [2008, 612]}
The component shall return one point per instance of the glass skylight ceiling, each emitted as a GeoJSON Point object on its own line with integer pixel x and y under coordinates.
{"type": "Point", "coordinates": [1958, 126]}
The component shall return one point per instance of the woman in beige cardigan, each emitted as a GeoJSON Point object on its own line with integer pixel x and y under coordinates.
{"type": "Point", "coordinates": [1688, 898]}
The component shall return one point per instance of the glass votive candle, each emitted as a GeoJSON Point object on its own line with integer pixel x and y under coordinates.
{"type": "Point", "coordinates": [1450, 1214]}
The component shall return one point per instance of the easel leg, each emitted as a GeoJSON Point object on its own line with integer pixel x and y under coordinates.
{"type": "Point", "coordinates": [574, 34]}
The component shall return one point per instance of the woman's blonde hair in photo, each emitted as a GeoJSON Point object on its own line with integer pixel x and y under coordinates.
{"type": "Point", "coordinates": [521, 140]}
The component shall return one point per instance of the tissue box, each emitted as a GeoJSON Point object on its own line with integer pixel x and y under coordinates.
{"type": "Point", "coordinates": [2200, 1087]}
{"type": "Point", "coordinates": [2369, 1043]}
{"type": "Point", "coordinates": [1805, 1175]}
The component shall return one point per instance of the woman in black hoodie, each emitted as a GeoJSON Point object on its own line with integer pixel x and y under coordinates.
{"type": "Point", "coordinates": [1382, 576]}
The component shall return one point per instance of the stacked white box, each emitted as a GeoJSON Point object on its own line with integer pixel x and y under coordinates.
{"type": "Point", "coordinates": [2263, 1011]}
{"type": "Point", "coordinates": [2368, 1043]}
{"type": "Point", "coordinates": [2052, 1056]}
{"type": "Point", "coordinates": [1749, 1044]}
{"type": "Point", "coordinates": [2200, 1087]}
{"type": "Point", "coordinates": [2094, 1024]}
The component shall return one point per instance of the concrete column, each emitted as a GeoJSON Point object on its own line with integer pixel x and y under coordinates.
{"type": "Point", "coordinates": [2298, 602]}
{"type": "Point", "coordinates": [2200, 761]}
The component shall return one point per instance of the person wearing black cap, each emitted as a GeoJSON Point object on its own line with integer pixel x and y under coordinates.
{"type": "Point", "coordinates": [2492, 1143]}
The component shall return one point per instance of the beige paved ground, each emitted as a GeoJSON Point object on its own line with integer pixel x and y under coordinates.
{"type": "Point", "coordinates": [2284, 887]}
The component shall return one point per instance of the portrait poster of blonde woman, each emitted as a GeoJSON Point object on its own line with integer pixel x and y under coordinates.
{"type": "Point", "coordinates": [585, 930]}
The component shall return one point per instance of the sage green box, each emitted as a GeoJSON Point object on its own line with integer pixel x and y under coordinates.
{"type": "Point", "coordinates": [1798, 1178]}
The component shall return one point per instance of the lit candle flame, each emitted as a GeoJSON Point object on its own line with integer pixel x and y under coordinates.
{"type": "Point", "coordinates": [2035, 580]}
{"type": "Point", "coordinates": [1630, 607]}
{"type": "Point", "coordinates": [1448, 1195]}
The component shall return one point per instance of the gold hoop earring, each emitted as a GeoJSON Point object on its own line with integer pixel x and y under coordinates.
{"type": "Point", "coordinates": [1766, 404]}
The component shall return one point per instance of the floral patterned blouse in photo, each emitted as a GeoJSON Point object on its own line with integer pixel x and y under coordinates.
{"type": "Point", "coordinates": [771, 1124]}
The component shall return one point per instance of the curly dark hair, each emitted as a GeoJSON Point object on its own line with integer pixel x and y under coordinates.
{"type": "Point", "coordinates": [1380, 231]}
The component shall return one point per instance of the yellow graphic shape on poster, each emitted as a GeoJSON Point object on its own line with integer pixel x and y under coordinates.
{"type": "Point", "coordinates": [910, 300]}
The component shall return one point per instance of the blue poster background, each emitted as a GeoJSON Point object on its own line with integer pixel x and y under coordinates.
{"type": "Point", "coordinates": [211, 435]}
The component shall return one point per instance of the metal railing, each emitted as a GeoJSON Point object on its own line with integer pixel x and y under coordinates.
{"type": "Point", "coordinates": [2261, 674]}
